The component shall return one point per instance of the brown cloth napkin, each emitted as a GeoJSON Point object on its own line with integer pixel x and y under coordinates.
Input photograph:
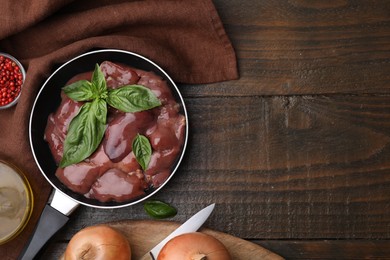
{"type": "Point", "coordinates": [186, 38]}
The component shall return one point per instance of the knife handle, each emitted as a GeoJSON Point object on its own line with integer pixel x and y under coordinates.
{"type": "Point", "coordinates": [148, 256]}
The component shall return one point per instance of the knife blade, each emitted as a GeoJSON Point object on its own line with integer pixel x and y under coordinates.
{"type": "Point", "coordinates": [191, 225]}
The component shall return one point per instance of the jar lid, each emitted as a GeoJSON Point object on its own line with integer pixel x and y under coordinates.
{"type": "Point", "coordinates": [16, 201]}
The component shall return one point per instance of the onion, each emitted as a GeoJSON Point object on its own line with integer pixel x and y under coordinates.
{"type": "Point", "coordinates": [194, 246]}
{"type": "Point", "coordinates": [98, 242]}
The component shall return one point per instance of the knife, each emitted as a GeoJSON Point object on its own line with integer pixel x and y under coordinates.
{"type": "Point", "coordinates": [191, 225]}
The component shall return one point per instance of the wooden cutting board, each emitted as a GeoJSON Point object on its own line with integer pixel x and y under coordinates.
{"type": "Point", "coordinates": [143, 235]}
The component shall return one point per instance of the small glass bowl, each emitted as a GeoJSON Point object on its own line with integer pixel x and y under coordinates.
{"type": "Point", "coordinates": [16, 201]}
{"type": "Point", "coordinates": [23, 72]}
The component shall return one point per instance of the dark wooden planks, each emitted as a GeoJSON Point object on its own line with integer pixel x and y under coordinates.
{"type": "Point", "coordinates": [330, 249]}
{"type": "Point", "coordinates": [296, 167]}
{"type": "Point", "coordinates": [257, 133]}
{"type": "Point", "coordinates": [306, 47]}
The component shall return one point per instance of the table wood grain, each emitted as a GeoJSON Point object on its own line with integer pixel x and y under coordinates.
{"type": "Point", "coordinates": [296, 153]}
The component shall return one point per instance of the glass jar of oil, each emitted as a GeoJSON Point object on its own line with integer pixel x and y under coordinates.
{"type": "Point", "coordinates": [16, 201]}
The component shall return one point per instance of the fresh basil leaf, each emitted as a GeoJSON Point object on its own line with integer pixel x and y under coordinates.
{"type": "Point", "coordinates": [79, 91]}
{"type": "Point", "coordinates": [84, 135]}
{"type": "Point", "coordinates": [98, 81]}
{"type": "Point", "coordinates": [142, 150]}
{"type": "Point", "coordinates": [158, 209]}
{"type": "Point", "coordinates": [101, 110]}
{"type": "Point", "coordinates": [132, 98]}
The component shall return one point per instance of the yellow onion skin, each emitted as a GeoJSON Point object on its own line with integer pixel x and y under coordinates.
{"type": "Point", "coordinates": [194, 246]}
{"type": "Point", "coordinates": [99, 242]}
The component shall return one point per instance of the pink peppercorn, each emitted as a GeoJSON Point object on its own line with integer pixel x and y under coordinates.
{"type": "Point", "coordinates": [11, 80]}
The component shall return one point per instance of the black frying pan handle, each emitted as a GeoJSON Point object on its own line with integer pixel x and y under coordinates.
{"type": "Point", "coordinates": [49, 223]}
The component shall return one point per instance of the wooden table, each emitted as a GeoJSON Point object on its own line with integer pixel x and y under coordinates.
{"type": "Point", "coordinates": [296, 153]}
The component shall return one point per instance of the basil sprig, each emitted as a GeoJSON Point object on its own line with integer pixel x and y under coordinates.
{"type": "Point", "coordinates": [86, 130]}
{"type": "Point", "coordinates": [158, 209]}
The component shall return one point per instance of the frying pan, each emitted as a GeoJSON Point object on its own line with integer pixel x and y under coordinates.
{"type": "Point", "coordinates": [64, 201]}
